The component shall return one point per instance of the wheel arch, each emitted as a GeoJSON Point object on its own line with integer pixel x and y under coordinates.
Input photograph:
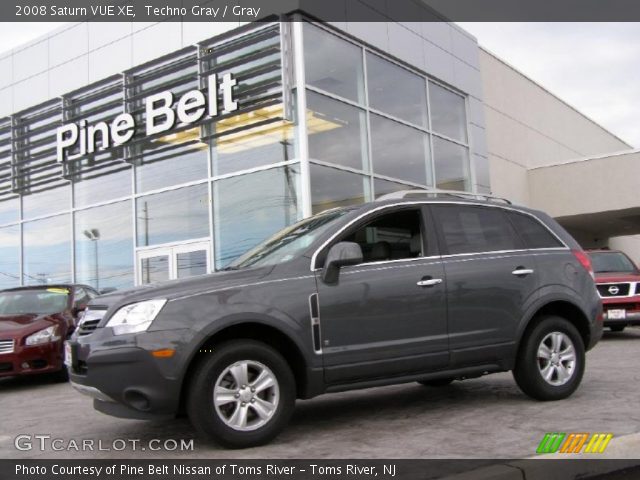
{"type": "Point", "coordinates": [561, 307]}
{"type": "Point", "coordinates": [257, 330]}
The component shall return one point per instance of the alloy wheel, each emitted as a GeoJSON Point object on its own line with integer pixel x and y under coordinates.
{"type": "Point", "coordinates": [246, 395]}
{"type": "Point", "coordinates": [556, 358]}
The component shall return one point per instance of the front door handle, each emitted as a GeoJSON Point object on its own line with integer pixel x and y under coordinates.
{"type": "Point", "coordinates": [522, 271]}
{"type": "Point", "coordinates": [429, 283]}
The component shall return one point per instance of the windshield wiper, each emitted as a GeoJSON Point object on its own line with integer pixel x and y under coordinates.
{"type": "Point", "coordinates": [229, 268]}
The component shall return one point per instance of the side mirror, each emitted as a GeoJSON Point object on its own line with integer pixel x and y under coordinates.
{"type": "Point", "coordinates": [77, 311]}
{"type": "Point", "coordinates": [341, 254]}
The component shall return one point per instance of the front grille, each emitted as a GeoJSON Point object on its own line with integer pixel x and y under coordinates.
{"type": "Point", "coordinates": [89, 321]}
{"type": "Point", "coordinates": [7, 346]}
{"type": "Point", "coordinates": [608, 290]}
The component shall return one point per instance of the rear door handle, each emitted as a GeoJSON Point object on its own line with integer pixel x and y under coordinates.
{"type": "Point", "coordinates": [522, 271]}
{"type": "Point", "coordinates": [429, 283]}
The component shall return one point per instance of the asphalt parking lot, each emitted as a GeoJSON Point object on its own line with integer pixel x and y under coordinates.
{"type": "Point", "coordinates": [480, 418]}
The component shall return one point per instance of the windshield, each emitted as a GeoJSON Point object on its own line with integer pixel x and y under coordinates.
{"type": "Point", "coordinates": [44, 301]}
{"type": "Point", "coordinates": [288, 243]}
{"type": "Point", "coordinates": [611, 262]}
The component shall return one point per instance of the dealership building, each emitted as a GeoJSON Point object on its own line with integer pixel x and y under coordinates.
{"type": "Point", "coordinates": [132, 153]}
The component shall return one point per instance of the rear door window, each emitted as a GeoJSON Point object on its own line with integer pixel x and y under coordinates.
{"type": "Point", "coordinates": [474, 229]}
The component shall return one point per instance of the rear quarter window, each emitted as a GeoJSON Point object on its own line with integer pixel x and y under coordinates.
{"type": "Point", "coordinates": [532, 232]}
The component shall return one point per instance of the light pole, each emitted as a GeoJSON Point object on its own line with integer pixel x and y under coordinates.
{"type": "Point", "coordinates": [94, 235]}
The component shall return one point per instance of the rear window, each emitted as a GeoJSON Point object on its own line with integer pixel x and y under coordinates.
{"type": "Point", "coordinates": [474, 229]}
{"type": "Point", "coordinates": [534, 234]}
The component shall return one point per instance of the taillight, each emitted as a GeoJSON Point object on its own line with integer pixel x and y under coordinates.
{"type": "Point", "coordinates": [584, 260]}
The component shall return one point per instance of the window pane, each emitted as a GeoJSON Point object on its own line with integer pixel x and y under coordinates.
{"type": "Point", "coordinates": [191, 264]}
{"type": "Point", "coordinates": [173, 216]}
{"type": "Point", "coordinates": [451, 165]}
{"type": "Point", "coordinates": [104, 246]}
{"type": "Point", "coordinates": [251, 208]}
{"type": "Point", "coordinates": [474, 229]}
{"type": "Point", "coordinates": [448, 115]}
{"type": "Point", "coordinates": [333, 64]}
{"type": "Point", "coordinates": [163, 169]}
{"type": "Point", "coordinates": [9, 210]}
{"type": "Point", "coordinates": [103, 188]}
{"type": "Point", "coordinates": [47, 251]}
{"type": "Point", "coordinates": [337, 132]}
{"type": "Point", "coordinates": [155, 269]}
{"type": "Point", "coordinates": [10, 256]}
{"type": "Point", "coordinates": [252, 147]}
{"type": "Point", "coordinates": [383, 187]}
{"type": "Point", "coordinates": [332, 188]}
{"type": "Point", "coordinates": [399, 151]}
{"type": "Point", "coordinates": [396, 91]}
{"type": "Point", "coordinates": [47, 202]}
{"type": "Point", "coordinates": [534, 234]}
{"type": "Point", "coordinates": [391, 237]}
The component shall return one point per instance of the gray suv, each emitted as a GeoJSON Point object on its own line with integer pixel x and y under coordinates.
{"type": "Point", "coordinates": [413, 287]}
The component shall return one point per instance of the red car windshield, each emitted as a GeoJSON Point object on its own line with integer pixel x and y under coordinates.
{"type": "Point", "coordinates": [610, 262]}
{"type": "Point", "coordinates": [37, 301]}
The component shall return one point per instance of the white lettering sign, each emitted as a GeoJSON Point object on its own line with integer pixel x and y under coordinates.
{"type": "Point", "coordinates": [162, 112]}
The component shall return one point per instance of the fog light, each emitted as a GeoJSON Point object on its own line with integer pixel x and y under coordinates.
{"type": "Point", "coordinates": [25, 365]}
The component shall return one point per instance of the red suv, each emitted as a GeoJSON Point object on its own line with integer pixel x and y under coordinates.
{"type": "Point", "coordinates": [618, 283]}
{"type": "Point", "coordinates": [34, 322]}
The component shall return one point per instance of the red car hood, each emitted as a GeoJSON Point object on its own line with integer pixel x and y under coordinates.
{"type": "Point", "coordinates": [613, 277]}
{"type": "Point", "coordinates": [15, 326]}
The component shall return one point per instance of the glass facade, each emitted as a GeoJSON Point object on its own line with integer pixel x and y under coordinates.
{"type": "Point", "coordinates": [122, 216]}
{"type": "Point", "coordinates": [380, 121]}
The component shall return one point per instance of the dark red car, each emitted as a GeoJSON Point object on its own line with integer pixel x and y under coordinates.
{"type": "Point", "coordinates": [618, 283]}
{"type": "Point", "coordinates": [34, 323]}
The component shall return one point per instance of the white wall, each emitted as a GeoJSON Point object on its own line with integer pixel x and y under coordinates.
{"type": "Point", "coordinates": [528, 127]}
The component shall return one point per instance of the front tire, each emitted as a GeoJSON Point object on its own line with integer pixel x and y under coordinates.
{"type": "Point", "coordinates": [551, 360]}
{"type": "Point", "coordinates": [242, 395]}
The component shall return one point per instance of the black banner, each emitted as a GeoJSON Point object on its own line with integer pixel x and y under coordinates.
{"type": "Point", "coordinates": [328, 10]}
{"type": "Point", "coordinates": [318, 469]}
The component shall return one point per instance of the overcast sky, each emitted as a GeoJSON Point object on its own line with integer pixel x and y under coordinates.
{"type": "Point", "coordinates": [595, 67]}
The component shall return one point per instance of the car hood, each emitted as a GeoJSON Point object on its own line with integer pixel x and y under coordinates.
{"type": "Point", "coordinates": [21, 325]}
{"type": "Point", "coordinates": [183, 287]}
{"type": "Point", "coordinates": [616, 277]}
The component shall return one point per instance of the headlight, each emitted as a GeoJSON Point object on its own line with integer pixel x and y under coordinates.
{"type": "Point", "coordinates": [136, 317]}
{"type": "Point", "coordinates": [49, 334]}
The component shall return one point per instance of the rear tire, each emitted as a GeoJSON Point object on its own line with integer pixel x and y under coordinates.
{"type": "Point", "coordinates": [551, 360]}
{"type": "Point", "coordinates": [617, 328]}
{"type": "Point", "coordinates": [254, 393]}
{"type": "Point", "coordinates": [438, 382]}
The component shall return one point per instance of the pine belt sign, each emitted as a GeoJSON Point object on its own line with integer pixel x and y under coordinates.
{"type": "Point", "coordinates": [161, 116]}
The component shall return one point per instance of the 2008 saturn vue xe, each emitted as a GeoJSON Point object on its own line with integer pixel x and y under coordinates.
{"type": "Point", "coordinates": [416, 287]}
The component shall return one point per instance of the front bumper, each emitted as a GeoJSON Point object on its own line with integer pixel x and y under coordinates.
{"type": "Point", "coordinates": [31, 360]}
{"type": "Point", "coordinates": [631, 307]}
{"type": "Point", "coordinates": [123, 377]}
{"type": "Point", "coordinates": [631, 318]}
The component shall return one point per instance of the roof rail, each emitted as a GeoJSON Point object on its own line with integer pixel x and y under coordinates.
{"type": "Point", "coordinates": [438, 192]}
